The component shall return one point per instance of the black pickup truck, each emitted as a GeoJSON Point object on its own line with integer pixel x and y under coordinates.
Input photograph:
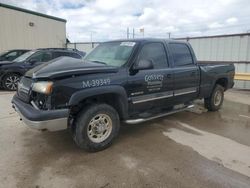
{"type": "Point", "coordinates": [126, 80]}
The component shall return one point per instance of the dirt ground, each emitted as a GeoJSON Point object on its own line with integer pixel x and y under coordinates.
{"type": "Point", "coordinates": [189, 149]}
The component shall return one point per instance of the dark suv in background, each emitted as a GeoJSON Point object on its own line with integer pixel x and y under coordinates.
{"type": "Point", "coordinates": [12, 54]}
{"type": "Point", "coordinates": [11, 71]}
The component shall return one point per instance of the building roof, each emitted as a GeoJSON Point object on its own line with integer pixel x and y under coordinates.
{"type": "Point", "coordinates": [32, 12]}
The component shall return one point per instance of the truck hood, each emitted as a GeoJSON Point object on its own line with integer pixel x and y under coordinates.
{"type": "Point", "coordinates": [67, 66]}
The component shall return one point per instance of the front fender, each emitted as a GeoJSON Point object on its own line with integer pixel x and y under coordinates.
{"type": "Point", "coordinates": [79, 96]}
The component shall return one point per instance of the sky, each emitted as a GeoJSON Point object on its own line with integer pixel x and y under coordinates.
{"type": "Point", "coordinates": [100, 20]}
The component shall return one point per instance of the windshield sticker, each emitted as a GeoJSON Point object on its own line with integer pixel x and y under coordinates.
{"type": "Point", "coordinates": [96, 83]}
{"type": "Point", "coordinates": [127, 44]}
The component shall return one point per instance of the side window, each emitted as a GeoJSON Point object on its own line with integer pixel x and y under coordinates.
{"type": "Point", "coordinates": [11, 56]}
{"type": "Point", "coordinates": [68, 54]}
{"type": "Point", "coordinates": [75, 55]}
{"type": "Point", "coordinates": [46, 56]}
{"type": "Point", "coordinates": [37, 56]}
{"type": "Point", "coordinates": [20, 53]}
{"type": "Point", "coordinates": [156, 53]}
{"type": "Point", "coordinates": [181, 54]}
{"type": "Point", "coordinates": [57, 54]}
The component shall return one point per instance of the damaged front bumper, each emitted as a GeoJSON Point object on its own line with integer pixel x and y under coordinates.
{"type": "Point", "coordinates": [52, 120]}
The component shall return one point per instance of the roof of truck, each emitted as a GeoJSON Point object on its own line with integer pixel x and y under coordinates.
{"type": "Point", "coordinates": [148, 40]}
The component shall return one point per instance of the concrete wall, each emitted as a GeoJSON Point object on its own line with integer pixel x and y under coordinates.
{"type": "Point", "coordinates": [15, 31]}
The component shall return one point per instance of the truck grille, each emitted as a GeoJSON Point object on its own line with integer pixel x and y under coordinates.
{"type": "Point", "coordinates": [24, 87]}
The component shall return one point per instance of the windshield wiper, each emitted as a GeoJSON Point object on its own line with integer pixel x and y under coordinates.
{"type": "Point", "coordinates": [100, 62]}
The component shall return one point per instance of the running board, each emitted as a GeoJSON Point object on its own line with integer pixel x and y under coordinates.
{"type": "Point", "coordinates": [141, 120]}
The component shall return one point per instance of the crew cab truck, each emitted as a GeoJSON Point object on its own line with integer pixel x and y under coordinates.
{"type": "Point", "coordinates": [124, 80]}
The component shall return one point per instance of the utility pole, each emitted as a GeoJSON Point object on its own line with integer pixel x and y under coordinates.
{"type": "Point", "coordinates": [169, 35]}
{"type": "Point", "coordinates": [127, 33]}
{"type": "Point", "coordinates": [91, 36]}
{"type": "Point", "coordinates": [133, 33]}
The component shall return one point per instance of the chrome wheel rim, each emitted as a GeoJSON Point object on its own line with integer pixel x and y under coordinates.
{"type": "Point", "coordinates": [217, 98]}
{"type": "Point", "coordinates": [11, 82]}
{"type": "Point", "coordinates": [99, 128]}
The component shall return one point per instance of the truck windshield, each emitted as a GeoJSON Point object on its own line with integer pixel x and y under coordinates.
{"type": "Point", "coordinates": [24, 56]}
{"type": "Point", "coordinates": [111, 53]}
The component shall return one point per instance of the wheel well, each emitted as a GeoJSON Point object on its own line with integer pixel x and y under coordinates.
{"type": "Point", "coordinates": [7, 73]}
{"type": "Point", "coordinates": [223, 82]}
{"type": "Point", "coordinates": [111, 99]}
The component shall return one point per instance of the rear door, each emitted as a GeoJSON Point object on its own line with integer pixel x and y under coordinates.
{"type": "Point", "coordinates": [152, 87]}
{"type": "Point", "coordinates": [186, 73]}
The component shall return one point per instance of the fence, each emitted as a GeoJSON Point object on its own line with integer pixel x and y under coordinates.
{"type": "Point", "coordinates": [83, 46]}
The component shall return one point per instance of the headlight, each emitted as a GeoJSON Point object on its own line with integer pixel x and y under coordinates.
{"type": "Point", "coordinates": [43, 87]}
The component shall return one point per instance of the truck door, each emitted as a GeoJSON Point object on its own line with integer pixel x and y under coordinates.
{"type": "Point", "coordinates": [152, 87]}
{"type": "Point", "coordinates": [186, 73]}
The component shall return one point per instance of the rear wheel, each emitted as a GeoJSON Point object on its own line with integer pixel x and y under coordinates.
{"type": "Point", "coordinates": [96, 127]}
{"type": "Point", "coordinates": [215, 101]}
{"type": "Point", "coordinates": [10, 81]}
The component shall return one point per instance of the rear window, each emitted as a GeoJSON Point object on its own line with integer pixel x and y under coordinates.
{"type": "Point", "coordinates": [75, 55]}
{"type": "Point", "coordinates": [181, 54]}
{"type": "Point", "coordinates": [69, 54]}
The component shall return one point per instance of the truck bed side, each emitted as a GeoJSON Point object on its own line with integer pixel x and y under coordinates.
{"type": "Point", "coordinates": [212, 74]}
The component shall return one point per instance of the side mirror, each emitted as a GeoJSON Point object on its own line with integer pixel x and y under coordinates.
{"type": "Point", "coordinates": [144, 64]}
{"type": "Point", "coordinates": [32, 61]}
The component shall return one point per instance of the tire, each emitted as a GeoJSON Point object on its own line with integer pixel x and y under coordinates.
{"type": "Point", "coordinates": [10, 81]}
{"type": "Point", "coordinates": [96, 127]}
{"type": "Point", "coordinates": [215, 101]}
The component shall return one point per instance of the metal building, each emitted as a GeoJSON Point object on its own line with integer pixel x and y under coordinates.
{"type": "Point", "coordinates": [21, 28]}
{"type": "Point", "coordinates": [234, 48]}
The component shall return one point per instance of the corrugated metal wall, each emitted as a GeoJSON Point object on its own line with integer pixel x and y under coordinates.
{"type": "Point", "coordinates": [15, 31]}
{"type": "Point", "coordinates": [228, 49]}
{"type": "Point", "coordinates": [234, 48]}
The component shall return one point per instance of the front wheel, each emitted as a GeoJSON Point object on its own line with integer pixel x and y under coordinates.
{"type": "Point", "coordinates": [10, 81]}
{"type": "Point", "coordinates": [96, 127]}
{"type": "Point", "coordinates": [215, 101]}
